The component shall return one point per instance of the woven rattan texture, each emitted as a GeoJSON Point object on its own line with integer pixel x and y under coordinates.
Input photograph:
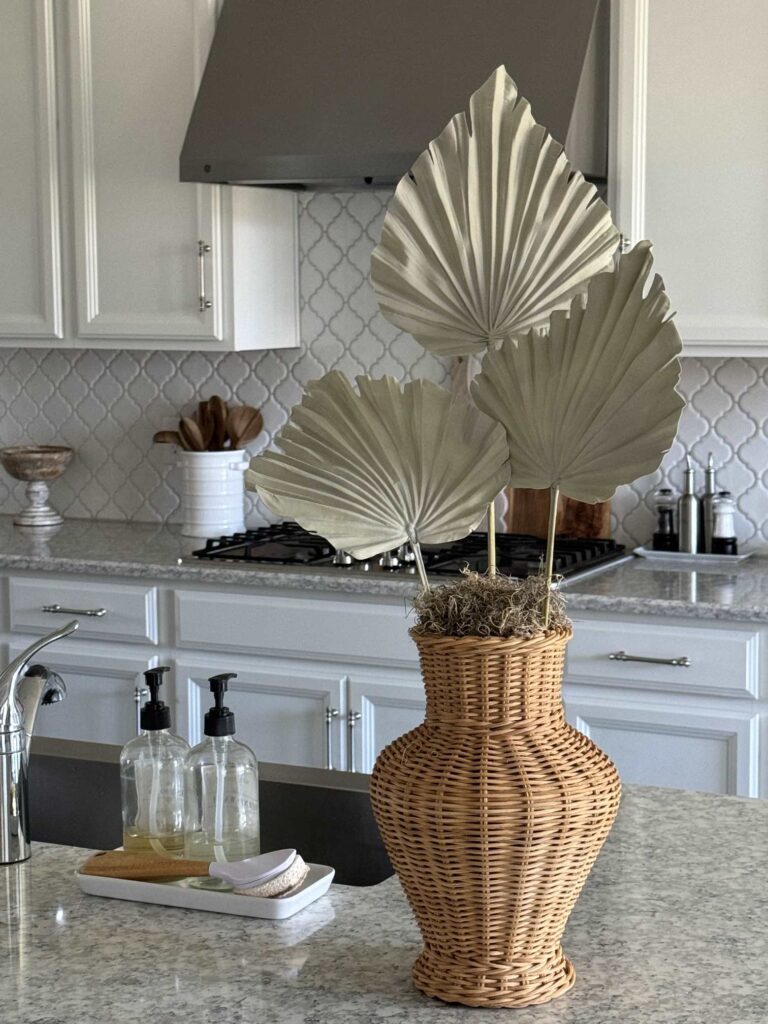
{"type": "Point", "coordinates": [493, 812]}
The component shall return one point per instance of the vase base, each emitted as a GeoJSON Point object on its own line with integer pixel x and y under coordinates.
{"type": "Point", "coordinates": [496, 986]}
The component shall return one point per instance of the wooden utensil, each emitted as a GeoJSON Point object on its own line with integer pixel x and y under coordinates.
{"type": "Point", "coordinates": [146, 867]}
{"type": "Point", "coordinates": [205, 422]}
{"type": "Point", "coordinates": [219, 410]}
{"type": "Point", "coordinates": [170, 437]}
{"type": "Point", "coordinates": [244, 423]}
{"type": "Point", "coordinates": [191, 434]}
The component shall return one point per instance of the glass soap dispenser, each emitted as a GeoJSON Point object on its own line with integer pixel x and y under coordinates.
{"type": "Point", "coordinates": [152, 779]}
{"type": "Point", "coordinates": [222, 788]}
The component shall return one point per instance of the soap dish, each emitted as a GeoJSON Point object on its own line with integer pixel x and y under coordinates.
{"type": "Point", "coordinates": [215, 900]}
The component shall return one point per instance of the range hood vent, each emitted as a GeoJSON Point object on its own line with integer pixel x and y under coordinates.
{"type": "Point", "coordinates": [344, 94]}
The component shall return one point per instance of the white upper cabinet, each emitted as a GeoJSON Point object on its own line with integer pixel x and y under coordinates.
{"type": "Point", "coordinates": [148, 261]}
{"type": "Point", "coordinates": [30, 269]}
{"type": "Point", "coordinates": [690, 133]}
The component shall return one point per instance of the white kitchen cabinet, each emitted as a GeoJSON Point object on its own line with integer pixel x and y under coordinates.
{"type": "Point", "coordinates": [316, 626]}
{"type": "Point", "coordinates": [683, 710]}
{"type": "Point", "coordinates": [301, 656]}
{"type": "Point", "coordinates": [387, 708]}
{"type": "Point", "coordinates": [105, 611]}
{"type": "Point", "coordinates": [280, 707]}
{"type": "Point", "coordinates": [690, 147]}
{"type": "Point", "coordinates": [685, 747]}
{"type": "Point", "coordinates": [30, 246]}
{"type": "Point", "coordinates": [100, 706]}
{"type": "Point", "coordinates": [103, 246]}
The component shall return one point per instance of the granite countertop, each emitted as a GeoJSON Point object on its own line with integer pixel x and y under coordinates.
{"type": "Point", "coordinates": [145, 550]}
{"type": "Point", "coordinates": [672, 928]}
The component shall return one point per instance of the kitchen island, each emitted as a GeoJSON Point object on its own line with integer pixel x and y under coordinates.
{"type": "Point", "coordinates": [672, 928]}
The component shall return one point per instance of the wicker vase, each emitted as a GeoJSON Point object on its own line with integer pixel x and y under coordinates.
{"type": "Point", "coordinates": [493, 812]}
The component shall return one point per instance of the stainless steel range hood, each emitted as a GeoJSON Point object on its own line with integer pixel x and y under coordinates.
{"type": "Point", "coordinates": [346, 93]}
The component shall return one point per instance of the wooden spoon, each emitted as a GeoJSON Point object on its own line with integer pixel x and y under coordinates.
{"type": "Point", "coordinates": [219, 411]}
{"type": "Point", "coordinates": [169, 437]}
{"type": "Point", "coordinates": [244, 423]}
{"type": "Point", "coordinates": [205, 422]}
{"type": "Point", "coordinates": [191, 435]}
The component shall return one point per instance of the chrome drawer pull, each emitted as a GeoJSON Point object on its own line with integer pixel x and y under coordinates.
{"type": "Point", "coordinates": [56, 609]}
{"type": "Point", "coordinates": [677, 662]}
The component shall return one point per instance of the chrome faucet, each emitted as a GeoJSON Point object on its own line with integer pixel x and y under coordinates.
{"type": "Point", "coordinates": [22, 690]}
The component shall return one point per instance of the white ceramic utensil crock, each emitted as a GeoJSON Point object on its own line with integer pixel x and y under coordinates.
{"type": "Point", "coordinates": [212, 492]}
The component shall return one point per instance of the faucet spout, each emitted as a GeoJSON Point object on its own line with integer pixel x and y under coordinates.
{"type": "Point", "coordinates": [12, 716]}
{"type": "Point", "coordinates": [17, 719]}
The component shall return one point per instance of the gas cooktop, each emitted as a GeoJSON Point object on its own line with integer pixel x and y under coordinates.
{"type": "Point", "coordinates": [516, 554]}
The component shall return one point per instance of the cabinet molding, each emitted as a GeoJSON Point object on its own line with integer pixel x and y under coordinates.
{"type": "Point", "coordinates": [736, 733]}
{"type": "Point", "coordinates": [92, 319]}
{"type": "Point", "coordinates": [47, 322]}
{"type": "Point", "coordinates": [628, 115]}
{"type": "Point", "coordinates": [724, 334]}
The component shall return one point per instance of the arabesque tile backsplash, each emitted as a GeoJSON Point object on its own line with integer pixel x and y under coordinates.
{"type": "Point", "coordinates": [107, 405]}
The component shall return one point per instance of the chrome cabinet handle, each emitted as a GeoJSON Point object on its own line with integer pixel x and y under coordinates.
{"type": "Point", "coordinates": [352, 718]}
{"type": "Point", "coordinates": [138, 695]}
{"type": "Point", "coordinates": [202, 249]}
{"type": "Point", "coordinates": [330, 714]}
{"type": "Point", "coordinates": [677, 662]}
{"type": "Point", "coordinates": [56, 609]}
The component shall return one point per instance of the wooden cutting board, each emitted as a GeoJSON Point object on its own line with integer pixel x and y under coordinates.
{"type": "Point", "coordinates": [528, 512]}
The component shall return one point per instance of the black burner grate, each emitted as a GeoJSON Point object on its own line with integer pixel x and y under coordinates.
{"type": "Point", "coordinates": [516, 554]}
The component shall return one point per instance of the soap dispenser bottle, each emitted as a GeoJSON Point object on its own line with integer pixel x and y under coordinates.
{"type": "Point", "coordinates": [152, 779]}
{"type": "Point", "coordinates": [222, 788]}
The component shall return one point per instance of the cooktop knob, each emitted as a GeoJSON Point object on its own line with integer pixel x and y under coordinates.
{"type": "Point", "coordinates": [342, 558]}
{"type": "Point", "coordinates": [389, 560]}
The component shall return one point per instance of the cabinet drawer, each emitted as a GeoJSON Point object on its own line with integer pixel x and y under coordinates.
{"type": "Point", "coordinates": [723, 662]}
{"type": "Point", "coordinates": [128, 612]}
{"type": "Point", "coordinates": [294, 626]}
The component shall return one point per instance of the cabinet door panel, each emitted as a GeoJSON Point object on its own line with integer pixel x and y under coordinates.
{"type": "Point", "coordinates": [134, 72]}
{"type": "Point", "coordinates": [387, 710]}
{"type": "Point", "coordinates": [280, 708]}
{"type": "Point", "coordinates": [722, 662]}
{"type": "Point", "coordinates": [100, 706]}
{"type": "Point", "coordinates": [30, 271]}
{"type": "Point", "coordinates": [710, 750]}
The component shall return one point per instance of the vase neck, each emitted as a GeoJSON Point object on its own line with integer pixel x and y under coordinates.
{"type": "Point", "coordinates": [493, 683]}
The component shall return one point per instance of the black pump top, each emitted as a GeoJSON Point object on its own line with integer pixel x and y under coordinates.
{"type": "Point", "coordinates": [219, 721]}
{"type": "Point", "coordinates": [155, 714]}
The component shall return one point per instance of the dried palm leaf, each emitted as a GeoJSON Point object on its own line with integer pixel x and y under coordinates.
{"type": "Point", "coordinates": [374, 470]}
{"type": "Point", "coordinates": [592, 403]}
{"type": "Point", "coordinates": [490, 231]}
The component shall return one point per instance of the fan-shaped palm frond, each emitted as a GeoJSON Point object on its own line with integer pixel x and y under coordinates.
{"type": "Point", "coordinates": [373, 470]}
{"type": "Point", "coordinates": [490, 231]}
{"type": "Point", "coordinates": [592, 403]}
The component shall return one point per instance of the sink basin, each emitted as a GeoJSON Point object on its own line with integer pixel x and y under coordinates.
{"type": "Point", "coordinates": [325, 815]}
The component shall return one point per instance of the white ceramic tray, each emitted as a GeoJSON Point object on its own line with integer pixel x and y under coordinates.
{"type": "Point", "coordinates": [685, 556]}
{"type": "Point", "coordinates": [216, 900]}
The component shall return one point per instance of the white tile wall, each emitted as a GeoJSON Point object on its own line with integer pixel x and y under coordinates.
{"type": "Point", "coordinates": [107, 405]}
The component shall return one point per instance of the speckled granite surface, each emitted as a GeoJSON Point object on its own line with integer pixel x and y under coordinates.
{"type": "Point", "coordinates": [144, 550]}
{"type": "Point", "coordinates": [672, 928]}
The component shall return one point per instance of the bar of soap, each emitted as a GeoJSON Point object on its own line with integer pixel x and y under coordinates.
{"type": "Point", "coordinates": [280, 884]}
